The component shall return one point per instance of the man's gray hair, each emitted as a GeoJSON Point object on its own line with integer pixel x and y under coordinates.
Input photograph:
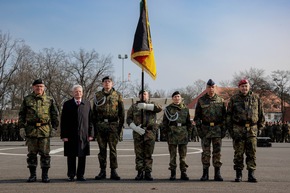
{"type": "Point", "coordinates": [76, 86]}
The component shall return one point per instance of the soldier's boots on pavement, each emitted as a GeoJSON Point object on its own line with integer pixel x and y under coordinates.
{"type": "Point", "coordinates": [184, 176]}
{"type": "Point", "coordinates": [204, 176]}
{"type": "Point", "coordinates": [32, 177]}
{"type": "Point", "coordinates": [114, 175]}
{"type": "Point", "coordinates": [217, 174]}
{"type": "Point", "coordinates": [239, 176]}
{"type": "Point", "coordinates": [101, 175]}
{"type": "Point", "coordinates": [148, 176]}
{"type": "Point", "coordinates": [251, 177]}
{"type": "Point", "coordinates": [139, 175]}
{"type": "Point", "coordinates": [173, 175]}
{"type": "Point", "coordinates": [44, 175]}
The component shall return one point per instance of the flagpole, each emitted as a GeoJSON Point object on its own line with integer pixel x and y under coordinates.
{"type": "Point", "coordinates": [142, 97]}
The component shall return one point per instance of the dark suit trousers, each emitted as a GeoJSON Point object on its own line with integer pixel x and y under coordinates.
{"type": "Point", "coordinates": [71, 166]}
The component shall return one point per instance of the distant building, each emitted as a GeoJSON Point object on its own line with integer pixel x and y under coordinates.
{"type": "Point", "coordinates": [9, 114]}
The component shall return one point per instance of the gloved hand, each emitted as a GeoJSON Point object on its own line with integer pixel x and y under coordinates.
{"type": "Point", "coordinates": [137, 129]}
{"type": "Point", "coordinates": [145, 106]}
{"type": "Point", "coordinates": [22, 133]}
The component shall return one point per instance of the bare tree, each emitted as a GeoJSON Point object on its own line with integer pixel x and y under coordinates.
{"type": "Point", "coordinates": [190, 92]}
{"type": "Point", "coordinates": [9, 61]}
{"type": "Point", "coordinates": [135, 87]}
{"type": "Point", "coordinates": [160, 93]}
{"type": "Point", "coordinates": [50, 67]}
{"type": "Point", "coordinates": [87, 68]}
{"type": "Point", "coordinates": [20, 84]}
{"type": "Point", "coordinates": [281, 81]}
{"type": "Point", "coordinates": [256, 77]}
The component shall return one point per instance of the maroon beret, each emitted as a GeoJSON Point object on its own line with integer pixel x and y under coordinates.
{"type": "Point", "coordinates": [243, 81]}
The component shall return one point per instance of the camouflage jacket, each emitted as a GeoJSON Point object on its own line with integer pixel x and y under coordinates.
{"type": "Point", "coordinates": [177, 124]}
{"type": "Point", "coordinates": [210, 116]}
{"type": "Point", "coordinates": [38, 115]}
{"type": "Point", "coordinates": [108, 107]}
{"type": "Point", "coordinates": [149, 117]}
{"type": "Point", "coordinates": [245, 115]}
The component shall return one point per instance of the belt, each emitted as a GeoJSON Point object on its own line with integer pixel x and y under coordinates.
{"type": "Point", "coordinates": [245, 124]}
{"type": "Point", "coordinates": [177, 124]}
{"type": "Point", "coordinates": [109, 120]}
{"type": "Point", "coordinates": [37, 124]}
{"type": "Point", "coordinates": [148, 128]}
{"type": "Point", "coordinates": [212, 124]}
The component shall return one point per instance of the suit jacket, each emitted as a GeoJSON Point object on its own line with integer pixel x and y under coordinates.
{"type": "Point", "coordinates": [77, 126]}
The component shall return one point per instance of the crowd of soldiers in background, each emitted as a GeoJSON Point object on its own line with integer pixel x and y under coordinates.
{"type": "Point", "coordinates": [9, 130]}
{"type": "Point", "coordinates": [277, 131]}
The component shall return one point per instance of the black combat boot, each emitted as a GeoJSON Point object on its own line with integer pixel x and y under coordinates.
{"type": "Point", "coordinates": [184, 176]}
{"type": "Point", "coordinates": [148, 176]}
{"type": "Point", "coordinates": [173, 175]}
{"type": "Point", "coordinates": [44, 175]}
{"type": "Point", "coordinates": [32, 177]}
{"type": "Point", "coordinates": [204, 176]}
{"type": "Point", "coordinates": [114, 175]}
{"type": "Point", "coordinates": [217, 174]}
{"type": "Point", "coordinates": [238, 176]}
{"type": "Point", "coordinates": [139, 175]}
{"type": "Point", "coordinates": [101, 175]}
{"type": "Point", "coordinates": [251, 177]}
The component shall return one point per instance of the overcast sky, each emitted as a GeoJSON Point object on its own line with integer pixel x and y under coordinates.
{"type": "Point", "coordinates": [192, 39]}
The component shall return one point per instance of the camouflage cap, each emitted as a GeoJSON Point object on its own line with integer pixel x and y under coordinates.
{"type": "Point", "coordinates": [37, 81]}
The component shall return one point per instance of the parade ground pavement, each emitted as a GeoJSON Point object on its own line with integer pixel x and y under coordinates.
{"type": "Point", "coordinates": [273, 171]}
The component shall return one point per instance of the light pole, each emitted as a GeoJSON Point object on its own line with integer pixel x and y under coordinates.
{"type": "Point", "coordinates": [123, 57]}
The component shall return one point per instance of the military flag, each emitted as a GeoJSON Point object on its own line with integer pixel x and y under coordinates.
{"type": "Point", "coordinates": [142, 52]}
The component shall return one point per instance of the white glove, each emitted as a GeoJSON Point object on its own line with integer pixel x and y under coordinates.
{"type": "Point", "coordinates": [137, 129]}
{"type": "Point", "coordinates": [22, 133]}
{"type": "Point", "coordinates": [145, 106]}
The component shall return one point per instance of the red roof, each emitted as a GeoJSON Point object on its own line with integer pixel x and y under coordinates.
{"type": "Point", "coordinates": [287, 114]}
{"type": "Point", "coordinates": [272, 103]}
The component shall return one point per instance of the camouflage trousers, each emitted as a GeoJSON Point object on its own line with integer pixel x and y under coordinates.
{"type": "Point", "coordinates": [206, 152]}
{"type": "Point", "coordinates": [39, 146]}
{"type": "Point", "coordinates": [104, 139]}
{"type": "Point", "coordinates": [144, 147]}
{"type": "Point", "coordinates": [182, 150]}
{"type": "Point", "coordinates": [245, 146]}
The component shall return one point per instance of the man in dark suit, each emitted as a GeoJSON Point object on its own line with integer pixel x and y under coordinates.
{"type": "Point", "coordinates": [76, 132]}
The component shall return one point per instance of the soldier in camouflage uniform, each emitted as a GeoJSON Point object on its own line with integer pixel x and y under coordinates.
{"type": "Point", "coordinates": [285, 130]}
{"type": "Point", "coordinates": [109, 115]}
{"type": "Point", "coordinates": [176, 122]}
{"type": "Point", "coordinates": [245, 116]}
{"type": "Point", "coordinates": [210, 116]}
{"type": "Point", "coordinates": [278, 131]}
{"type": "Point", "coordinates": [13, 130]}
{"type": "Point", "coordinates": [1, 129]}
{"type": "Point", "coordinates": [269, 131]}
{"type": "Point", "coordinates": [5, 130]}
{"type": "Point", "coordinates": [38, 116]}
{"type": "Point", "coordinates": [144, 133]}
